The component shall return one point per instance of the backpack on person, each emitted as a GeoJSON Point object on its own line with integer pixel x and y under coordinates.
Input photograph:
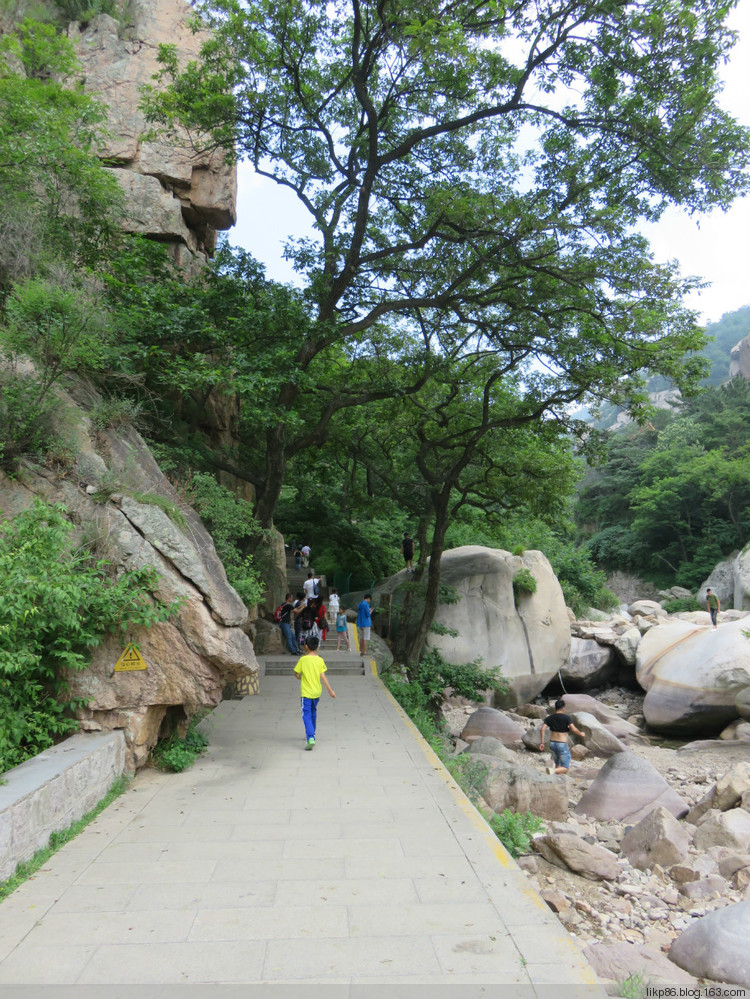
{"type": "Point", "coordinates": [277, 614]}
{"type": "Point", "coordinates": [316, 587]}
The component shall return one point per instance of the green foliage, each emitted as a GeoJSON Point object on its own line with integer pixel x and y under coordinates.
{"type": "Point", "coordinates": [515, 830]}
{"type": "Point", "coordinates": [469, 773]}
{"type": "Point", "coordinates": [113, 413]}
{"type": "Point", "coordinates": [233, 528]}
{"type": "Point", "coordinates": [672, 502]}
{"type": "Point", "coordinates": [524, 585]}
{"type": "Point", "coordinates": [84, 10]}
{"type": "Point", "coordinates": [433, 674]}
{"type": "Point", "coordinates": [730, 329]}
{"type": "Point", "coordinates": [681, 604]}
{"type": "Point", "coordinates": [634, 986]}
{"type": "Point", "coordinates": [55, 605]}
{"type": "Point", "coordinates": [58, 839]}
{"type": "Point", "coordinates": [176, 754]}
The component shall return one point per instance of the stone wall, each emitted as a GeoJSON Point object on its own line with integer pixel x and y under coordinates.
{"type": "Point", "coordinates": [54, 790]}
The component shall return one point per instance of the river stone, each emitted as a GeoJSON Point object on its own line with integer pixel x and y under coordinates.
{"type": "Point", "coordinates": [730, 788]}
{"type": "Point", "coordinates": [574, 854]}
{"type": "Point", "coordinates": [530, 642]}
{"type": "Point", "coordinates": [599, 740]}
{"type": "Point", "coordinates": [692, 676]}
{"type": "Point", "coordinates": [716, 946]}
{"type": "Point", "coordinates": [626, 645]}
{"type": "Point", "coordinates": [728, 829]}
{"type": "Point", "coordinates": [487, 746]}
{"type": "Point", "coordinates": [646, 608]}
{"type": "Point", "coordinates": [627, 788]}
{"type": "Point", "coordinates": [591, 665]}
{"type": "Point", "coordinates": [618, 961]}
{"type": "Point", "coordinates": [657, 839]}
{"type": "Point", "coordinates": [523, 789]}
{"type": "Point", "coordinates": [738, 730]}
{"type": "Point", "coordinates": [489, 722]}
{"type": "Point", "coordinates": [532, 737]}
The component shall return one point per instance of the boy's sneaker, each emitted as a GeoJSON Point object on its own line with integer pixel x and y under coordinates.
{"type": "Point", "coordinates": [310, 743]}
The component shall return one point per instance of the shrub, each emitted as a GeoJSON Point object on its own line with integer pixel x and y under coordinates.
{"type": "Point", "coordinates": [681, 604]}
{"type": "Point", "coordinates": [515, 830]}
{"type": "Point", "coordinates": [524, 585]}
{"type": "Point", "coordinates": [55, 605]}
{"type": "Point", "coordinates": [176, 754]}
{"type": "Point", "coordinates": [113, 413]}
{"type": "Point", "coordinates": [424, 691]}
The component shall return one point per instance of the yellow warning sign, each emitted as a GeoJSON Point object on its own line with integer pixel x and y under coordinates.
{"type": "Point", "coordinates": [130, 660]}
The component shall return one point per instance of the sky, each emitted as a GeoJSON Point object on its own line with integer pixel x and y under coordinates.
{"type": "Point", "coordinates": [714, 246]}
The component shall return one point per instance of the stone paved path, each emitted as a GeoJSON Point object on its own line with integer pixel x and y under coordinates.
{"type": "Point", "coordinates": [359, 862]}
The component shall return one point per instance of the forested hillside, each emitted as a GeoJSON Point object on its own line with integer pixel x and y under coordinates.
{"type": "Point", "coordinates": [461, 298]}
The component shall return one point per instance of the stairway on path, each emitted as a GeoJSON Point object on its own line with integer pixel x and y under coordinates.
{"type": "Point", "coordinates": [339, 663]}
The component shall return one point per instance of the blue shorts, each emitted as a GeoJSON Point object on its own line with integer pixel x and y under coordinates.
{"type": "Point", "coordinates": [561, 753]}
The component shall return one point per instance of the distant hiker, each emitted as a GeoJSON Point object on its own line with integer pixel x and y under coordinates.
{"type": "Point", "coordinates": [311, 670]}
{"type": "Point", "coordinates": [305, 555]}
{"type": "Point", "coordinates": [310, 585]}
{"type": "Point", "coordinates": [364, 622]}
{"type": "Point", "coordinates": [307, 622]}
{"type": "Point", "coordinates": [333, 605]}
{"type": "Point", "coordinates": [285, 624]}
{"type": "Point", "coordinates": [297, 557]}
{"type": "Point", "coordinates": [321, 621]}
{"type": "Point", "coordinates": [714, 606]}
{"type": "Point", "coordinates": [559, 724]}
{"type": "Point", "coordinates": [407, 550]}
{"type": "Point", "coordinates": [342, 631]}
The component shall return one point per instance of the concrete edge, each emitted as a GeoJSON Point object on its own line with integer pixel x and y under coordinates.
{"type": "Point", "coordinates": [53, 790]}
{"type": "Point", "coordinates": [564, 945]}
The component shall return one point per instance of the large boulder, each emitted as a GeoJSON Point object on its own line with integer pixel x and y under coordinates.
{"type": "Point", "coordinates": [489, 722]}
{"type": "Point", "coordinates": [742, 703]}
{"type": "Point", "coordinates": [692, 675]}
{"type": "Point", "coordinates": [646, 608]}
{"type": "Point", "coordinates": [721, 581]}
{"type": "Point", "coordinates": [739, 359]}
{"type": "Point", "coordinates": [523, 789]}
{"type": "Point", "coordinates": [729, 829]}
{"type": "Point", "coordinates": [619, 961]}
{"type": "Point", "coordinates": [591, 665]}
{"type": "Point", "coordinates": [716, 946]}
{"type": "Point", "coordinates": [574, 854]}
{"type": "Point", "coordinates": [741, 569]}
{"type": "Point", "coordinates": [627, 788]}
{"type": "Point", "coordinates": [621, 729]}
{"type": "Point", "coordinates": [531, 642]}
{"type": "Point", "coordinates": [599, 740]}
{"type": "Point", "coordinates": [657, 839]}
{"type": "Point", "coordinates": [135, 519]}
{"type": "Point", "coordinates": [173, 191]}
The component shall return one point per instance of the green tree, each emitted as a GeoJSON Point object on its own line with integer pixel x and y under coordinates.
{"type": "Point", "coordinates": [400, 132]}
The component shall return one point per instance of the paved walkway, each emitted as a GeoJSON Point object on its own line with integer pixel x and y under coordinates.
{"type": "Point", "coordinates": [359, 862]}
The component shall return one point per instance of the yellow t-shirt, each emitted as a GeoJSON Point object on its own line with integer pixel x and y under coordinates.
{"type": "Point", "coordinates": [310, 668]}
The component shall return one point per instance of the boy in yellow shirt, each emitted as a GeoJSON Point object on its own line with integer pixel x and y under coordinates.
{"type": "Point", "coordinates": [312, 673]}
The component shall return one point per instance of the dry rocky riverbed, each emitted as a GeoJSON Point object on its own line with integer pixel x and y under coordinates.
{"type": "Point", "coordinates": [627, 920]}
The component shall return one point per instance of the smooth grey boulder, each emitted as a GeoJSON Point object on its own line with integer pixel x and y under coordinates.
{"type": "Point", "coordinates": [523, 789]}
{"type": "Point", "coordinates": [627, 788]}
{"type": "Point", "coordinates": [716, 946]}
{"type": "Point", "coordinates": [657, 839]}
{"type": "Point", "coordinates": [646, 608]}
{"type": "Point", "coordinates": [590, 665]}
{"type": "Point", "coordinates": [531, 641]}
{"type": "Point", "coordinates": [487, 746]}
{"type": "Point", "coordinates": [692, 676]}
{"type": "Point", "coordinates": [621, 729]}
{"type": "Point", "coordinates": [489, 722]}
{"type": "Point", "coordinates": [618, 961]}
{"type": "Point", "coordinates": [574, 854]}
{"type": "Point", "coordinates": [599, 740]}
{"type": "Point", "coordinates": [721, 582]}
{"type": "Point", "coordinates": [742, 703]}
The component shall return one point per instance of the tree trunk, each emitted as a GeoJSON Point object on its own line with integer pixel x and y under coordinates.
{"type": "Point", "coordinates": [269, 495]}
{"type": "Point", "coordinates": [432, 596]}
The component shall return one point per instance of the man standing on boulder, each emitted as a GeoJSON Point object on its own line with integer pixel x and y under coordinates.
{"type": "Point", "coordinates": [714, 606]}
{"type": "Point", "coordinates": [559, 724]}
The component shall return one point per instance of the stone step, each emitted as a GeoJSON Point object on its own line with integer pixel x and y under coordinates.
{"type": "Point", "coordinates": [283, 665]}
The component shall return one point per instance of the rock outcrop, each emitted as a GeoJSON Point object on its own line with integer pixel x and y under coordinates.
{"type": "Point", "coordinates": [627, 788]}
{"type": "Point", "coordinates": [119, 500]}
{"type": "Point", "coordinates": [739, 359]}
{"type": "Point", "coordinates": [692, 675]}
{"type": "Point", "coordinates": [530, 642]}
{"type": "Point", "coordinates": [173, 192]}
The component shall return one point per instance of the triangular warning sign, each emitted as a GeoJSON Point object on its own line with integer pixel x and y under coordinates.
{"type": "Point", "coordinates": [130, 660]}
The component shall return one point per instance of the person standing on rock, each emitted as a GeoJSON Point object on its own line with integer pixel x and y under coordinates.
{"type": "Point", "coordinates": [407, 550]}
{"type": "Point", "coordinates": [714, 606]}
{"type": "Point", "coordinates": [559, 724]}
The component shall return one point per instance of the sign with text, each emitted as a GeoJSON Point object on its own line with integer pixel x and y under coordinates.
{"type": "Point", "coordinates": [130, 660]}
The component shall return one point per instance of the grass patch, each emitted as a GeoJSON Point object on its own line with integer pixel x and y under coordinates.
{"type": "Point", "coordinates": [24, 870]}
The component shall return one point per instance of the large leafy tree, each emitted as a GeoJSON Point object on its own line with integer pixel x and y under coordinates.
{"type": "Point", "coordinates": [475, 170]}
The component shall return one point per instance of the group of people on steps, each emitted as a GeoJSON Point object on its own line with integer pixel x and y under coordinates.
{"type": "Point", "coordinates": [306, 616]}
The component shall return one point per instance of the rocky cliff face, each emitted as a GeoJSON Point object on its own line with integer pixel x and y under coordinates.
{"type": "Point", "coordinates": [739, 359]}
{"type": "Point", "coordinates": [119, 501]}
{"type": "Point", "coordinates": [172, 193]}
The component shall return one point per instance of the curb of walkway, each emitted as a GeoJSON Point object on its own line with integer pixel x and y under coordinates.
{"type": "Point", "coordinates": [565, 942]}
